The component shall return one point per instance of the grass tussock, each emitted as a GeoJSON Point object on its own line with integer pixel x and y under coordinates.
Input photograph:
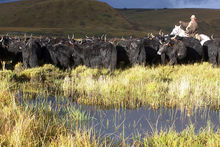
{"type": "Point", "coordinates": [22, 126]}
{"type": "Point", "coordinates": [183, 86]}
{"type": "Point", "coordinates": [187, 138]}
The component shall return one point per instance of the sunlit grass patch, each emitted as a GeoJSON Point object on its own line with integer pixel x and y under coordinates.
{"type": "Point", "coordinates": [193, 85]}
{"type": "Point", "coordinates": [184, 85]}
{"type": "Point", "coordinates": [187, 138]}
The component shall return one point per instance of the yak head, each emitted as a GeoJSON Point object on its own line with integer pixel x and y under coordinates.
{"type": "Point", "coordinates": [165, 47]}
{"type": "Point", "coordinates": [5, 40]}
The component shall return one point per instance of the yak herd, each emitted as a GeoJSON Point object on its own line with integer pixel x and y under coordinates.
{"type": "Point", "coordinates": [113, 53]}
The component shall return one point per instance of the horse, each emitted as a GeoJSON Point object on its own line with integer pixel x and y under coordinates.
{"type": "Point", "coordinates": [180, 32]}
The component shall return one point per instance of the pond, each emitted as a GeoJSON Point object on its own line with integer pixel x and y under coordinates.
{"type": "Point", "coordinates": [128, 123]}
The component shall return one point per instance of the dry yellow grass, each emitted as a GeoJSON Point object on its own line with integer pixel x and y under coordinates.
{"type": "Point", "coordinates": [190, 85]}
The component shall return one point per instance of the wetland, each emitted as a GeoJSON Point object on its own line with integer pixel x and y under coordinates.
{"type": "Point", "coordinates": [138, 106]}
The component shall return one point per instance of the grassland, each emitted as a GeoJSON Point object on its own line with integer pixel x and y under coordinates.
{"type": "Point", "coordinates": [191, 85]}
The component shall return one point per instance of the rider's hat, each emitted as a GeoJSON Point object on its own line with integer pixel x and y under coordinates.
{"type": "Point", "coordinates": [193, 17]}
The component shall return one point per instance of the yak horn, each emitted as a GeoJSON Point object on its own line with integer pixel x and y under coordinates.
{"type": "Point", "coordinates": [73, 36]}
{"type": "Point", "coordinates": [25, 37]}
{"type": "Point", "coordinates": [69, 37]}
{"type": "Point", "coordinates": [70, 42]}
{"type": "Point", "coordinates": [212, 37]}
{"type": "Point", "coordinates": [1, 39]}
{"type": "Point", "coordinates": [105, 38]}
{"type": "Point", "coordinates": [152, 35]}
{"type": "Point", "coordinates": [160, 32]}
{"type": "Point", "coordinates": [102, 36]}
{"type": "Point", "coordinates": [174, 37]}
{"type": "Point", "coordinates": [160, 42]}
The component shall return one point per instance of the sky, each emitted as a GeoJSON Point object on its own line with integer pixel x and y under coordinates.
{"type": "Point", "coordinates": [5, 1]}
{"type": "Point", "coordinates": [214, 4]}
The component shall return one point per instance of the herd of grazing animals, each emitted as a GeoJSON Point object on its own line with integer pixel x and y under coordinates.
{"type": "Point", "coordinates": [94, 52]}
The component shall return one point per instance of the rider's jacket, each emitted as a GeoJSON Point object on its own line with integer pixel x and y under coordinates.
{"type": "Point", "coordinates": [191, 27]}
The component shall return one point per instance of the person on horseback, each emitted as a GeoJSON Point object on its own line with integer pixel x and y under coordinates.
{"type": "Point", "coordinates": [191, 27]}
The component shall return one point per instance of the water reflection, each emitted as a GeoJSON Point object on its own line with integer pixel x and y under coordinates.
{"type": "Point", "coordinates": [128, 123]}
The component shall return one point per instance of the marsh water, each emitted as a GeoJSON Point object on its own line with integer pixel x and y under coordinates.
{"type": "Point", "coordinates": [130, 123]}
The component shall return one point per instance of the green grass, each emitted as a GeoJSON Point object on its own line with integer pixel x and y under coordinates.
{"type": "Point", "coordinates": [184, 86]}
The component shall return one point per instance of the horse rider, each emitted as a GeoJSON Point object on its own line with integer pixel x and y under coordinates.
{"type": "Point", "coordinates": [191, 27]}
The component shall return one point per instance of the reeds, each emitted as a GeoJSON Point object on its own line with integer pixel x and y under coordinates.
{"type": "Point", "coordinates": [27, 126]}
{"type": "Point", "coordinates": [196, 85]}
{"type": "Point", "coordinates": [186, 138]}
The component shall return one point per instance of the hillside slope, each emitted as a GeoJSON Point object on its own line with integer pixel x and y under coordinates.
{"type": "Point", "coordinates": [62, 17]}
{"type": "Point", "coordinates": [152, 20]}
{"type": "Point", "coordinates": [77, 14]}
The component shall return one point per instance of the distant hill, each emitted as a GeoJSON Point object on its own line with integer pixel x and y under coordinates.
{"type": "Point", "coordinates": [152, 20]}
{"type": "Point", "coordinates": [62, 17]}
{"type": "Point", "coordinates": [66, 15]}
